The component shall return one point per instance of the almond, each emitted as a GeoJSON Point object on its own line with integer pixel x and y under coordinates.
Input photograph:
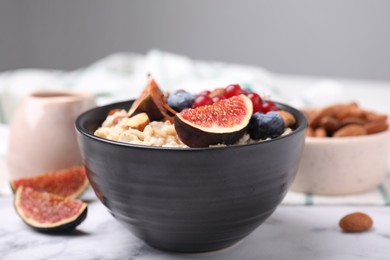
{"type": "Point", "coordinates": [310, 115]}
{"type": "Point", "coordinates": [309, 131]}
{"type": "Point", "coordinates": [353, 120]}
{"type": "Point", "coordinates": [371, 116]}
{"type": "Point", "coordinates": [139, 121]}
{"type": "Point", "coordinates": [218, 92]}
{"type": "Point", "coordinates": [113, 111]}
{"type": "Point", "coordinates": [288, 118]}
{"type": "Point", "coordinates": [330, 123]}
{"type": "Point", "coordinates": [320, 132]}
{"type": "Point", "coordinates": [328, 111]}
{"type": "Point", "coordinates": [376, 127]}
{"type": "Point", "coordinates": [350, 130]}
{"type": "Point", "coordinates": [356, 222]}
{"type": "Point", "coordinates": [118, 119]}
{"type": "Point", "coordinates": [341, 112]}
{"type": "Point", "coordinates": [350, 110]}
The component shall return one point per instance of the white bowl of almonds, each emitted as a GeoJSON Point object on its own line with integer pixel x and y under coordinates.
{"type": "Point", "coordinates": [346, 151]}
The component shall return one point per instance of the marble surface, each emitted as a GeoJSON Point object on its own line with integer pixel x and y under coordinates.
{"type": "Point", "coordinates": [298, 232]}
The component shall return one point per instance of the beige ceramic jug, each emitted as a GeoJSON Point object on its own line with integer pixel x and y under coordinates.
{"type": "Point", "coordinates": [42, 134]}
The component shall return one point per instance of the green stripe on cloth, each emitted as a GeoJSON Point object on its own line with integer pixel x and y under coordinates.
{"type": "Point", "coordinates": [385, 194]}
{"type": "Point", "coordinates": [309, 199]}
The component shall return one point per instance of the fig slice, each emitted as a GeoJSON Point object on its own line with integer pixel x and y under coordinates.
{"type": "Point", "coordinates": [223, 122]}
{"type": "Point", "coordinates": [152, 102]}
{"type": "Point", "coordinates": [47, 212]}
{"type": "Point", "coordinates": [71, 182]}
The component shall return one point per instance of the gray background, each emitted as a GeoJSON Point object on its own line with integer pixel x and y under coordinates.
{"type": "Point", "coordinates": [343, 38]}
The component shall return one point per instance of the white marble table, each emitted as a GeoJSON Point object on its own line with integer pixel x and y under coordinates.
{"type": "Point", "coordinates": [292, 232]}
{"type": "Point", "coordinates": [296, 232]}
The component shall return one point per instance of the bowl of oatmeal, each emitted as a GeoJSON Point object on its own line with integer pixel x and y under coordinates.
{"type": "Point", "coordinates": [180, 198]}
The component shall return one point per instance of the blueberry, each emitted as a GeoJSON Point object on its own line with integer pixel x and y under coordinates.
{"type": "Point", "coordinates": [263, 126]}
{"type": "Point", "coordinates": [180, 100]}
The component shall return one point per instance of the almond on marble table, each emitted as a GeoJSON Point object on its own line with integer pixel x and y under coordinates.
{"type": "Point", "coordinates": [356, 222]}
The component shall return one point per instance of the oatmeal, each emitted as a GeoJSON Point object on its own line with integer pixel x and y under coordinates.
{"type": "Point", "coordinates": [224, 116]}
{"type": "Point", "coordinates": [156, 133]}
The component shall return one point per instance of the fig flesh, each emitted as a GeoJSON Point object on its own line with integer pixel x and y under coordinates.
{"type": "Point", "coordinates": [70, 182]}
{"type": "Point", "coordinates": [47, 212]}
{"type": "Point", "coordinates": [223, 122]}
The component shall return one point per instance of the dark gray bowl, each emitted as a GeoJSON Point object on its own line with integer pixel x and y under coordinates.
{"type": "Point", "coordinates": [189, 200]}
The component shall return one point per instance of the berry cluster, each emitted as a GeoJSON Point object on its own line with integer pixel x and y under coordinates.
{"type": "Point", "coordinates": [265, 121]}
{"type": "Point", "coordinates": [181, 99]}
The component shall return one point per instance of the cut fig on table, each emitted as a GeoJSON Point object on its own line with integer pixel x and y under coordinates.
{"type": "Point", "coordinates": [223, 122]}
{"type": "Point", "coordinates": [70, 182]}
{"type": "Point", "coordinates": [46, 212]}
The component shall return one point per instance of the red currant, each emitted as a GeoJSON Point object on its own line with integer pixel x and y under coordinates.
{"type": "Point", "coordinates": [202, 100]}
{"type": "Point", "coordinates": [233, 90]}
{"type": "Point", "coordinates": [216, 98]}
{"type": "Point", "coordinates": [256, 101]}
{"type": "Point", "coordinates": [205, 93]}
{"type": "Point", "coordinates": [267, 106]}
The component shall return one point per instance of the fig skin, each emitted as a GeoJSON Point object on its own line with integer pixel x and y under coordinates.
{"type": "Point", "coordinates": [196, 138]}
{"type": "Point", "coordinates": [67, 227]}
{"type": "Point", "coordinates": [152, 102]}
{"type": "Point", "coordinates": [147, 105]}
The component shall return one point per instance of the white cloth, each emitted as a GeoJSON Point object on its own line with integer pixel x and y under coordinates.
{"type": "Point", "coordinates": [123, 76]}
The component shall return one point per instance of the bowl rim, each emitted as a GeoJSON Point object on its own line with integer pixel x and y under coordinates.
{"type": "Point", "coordinates": [81, 130]}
